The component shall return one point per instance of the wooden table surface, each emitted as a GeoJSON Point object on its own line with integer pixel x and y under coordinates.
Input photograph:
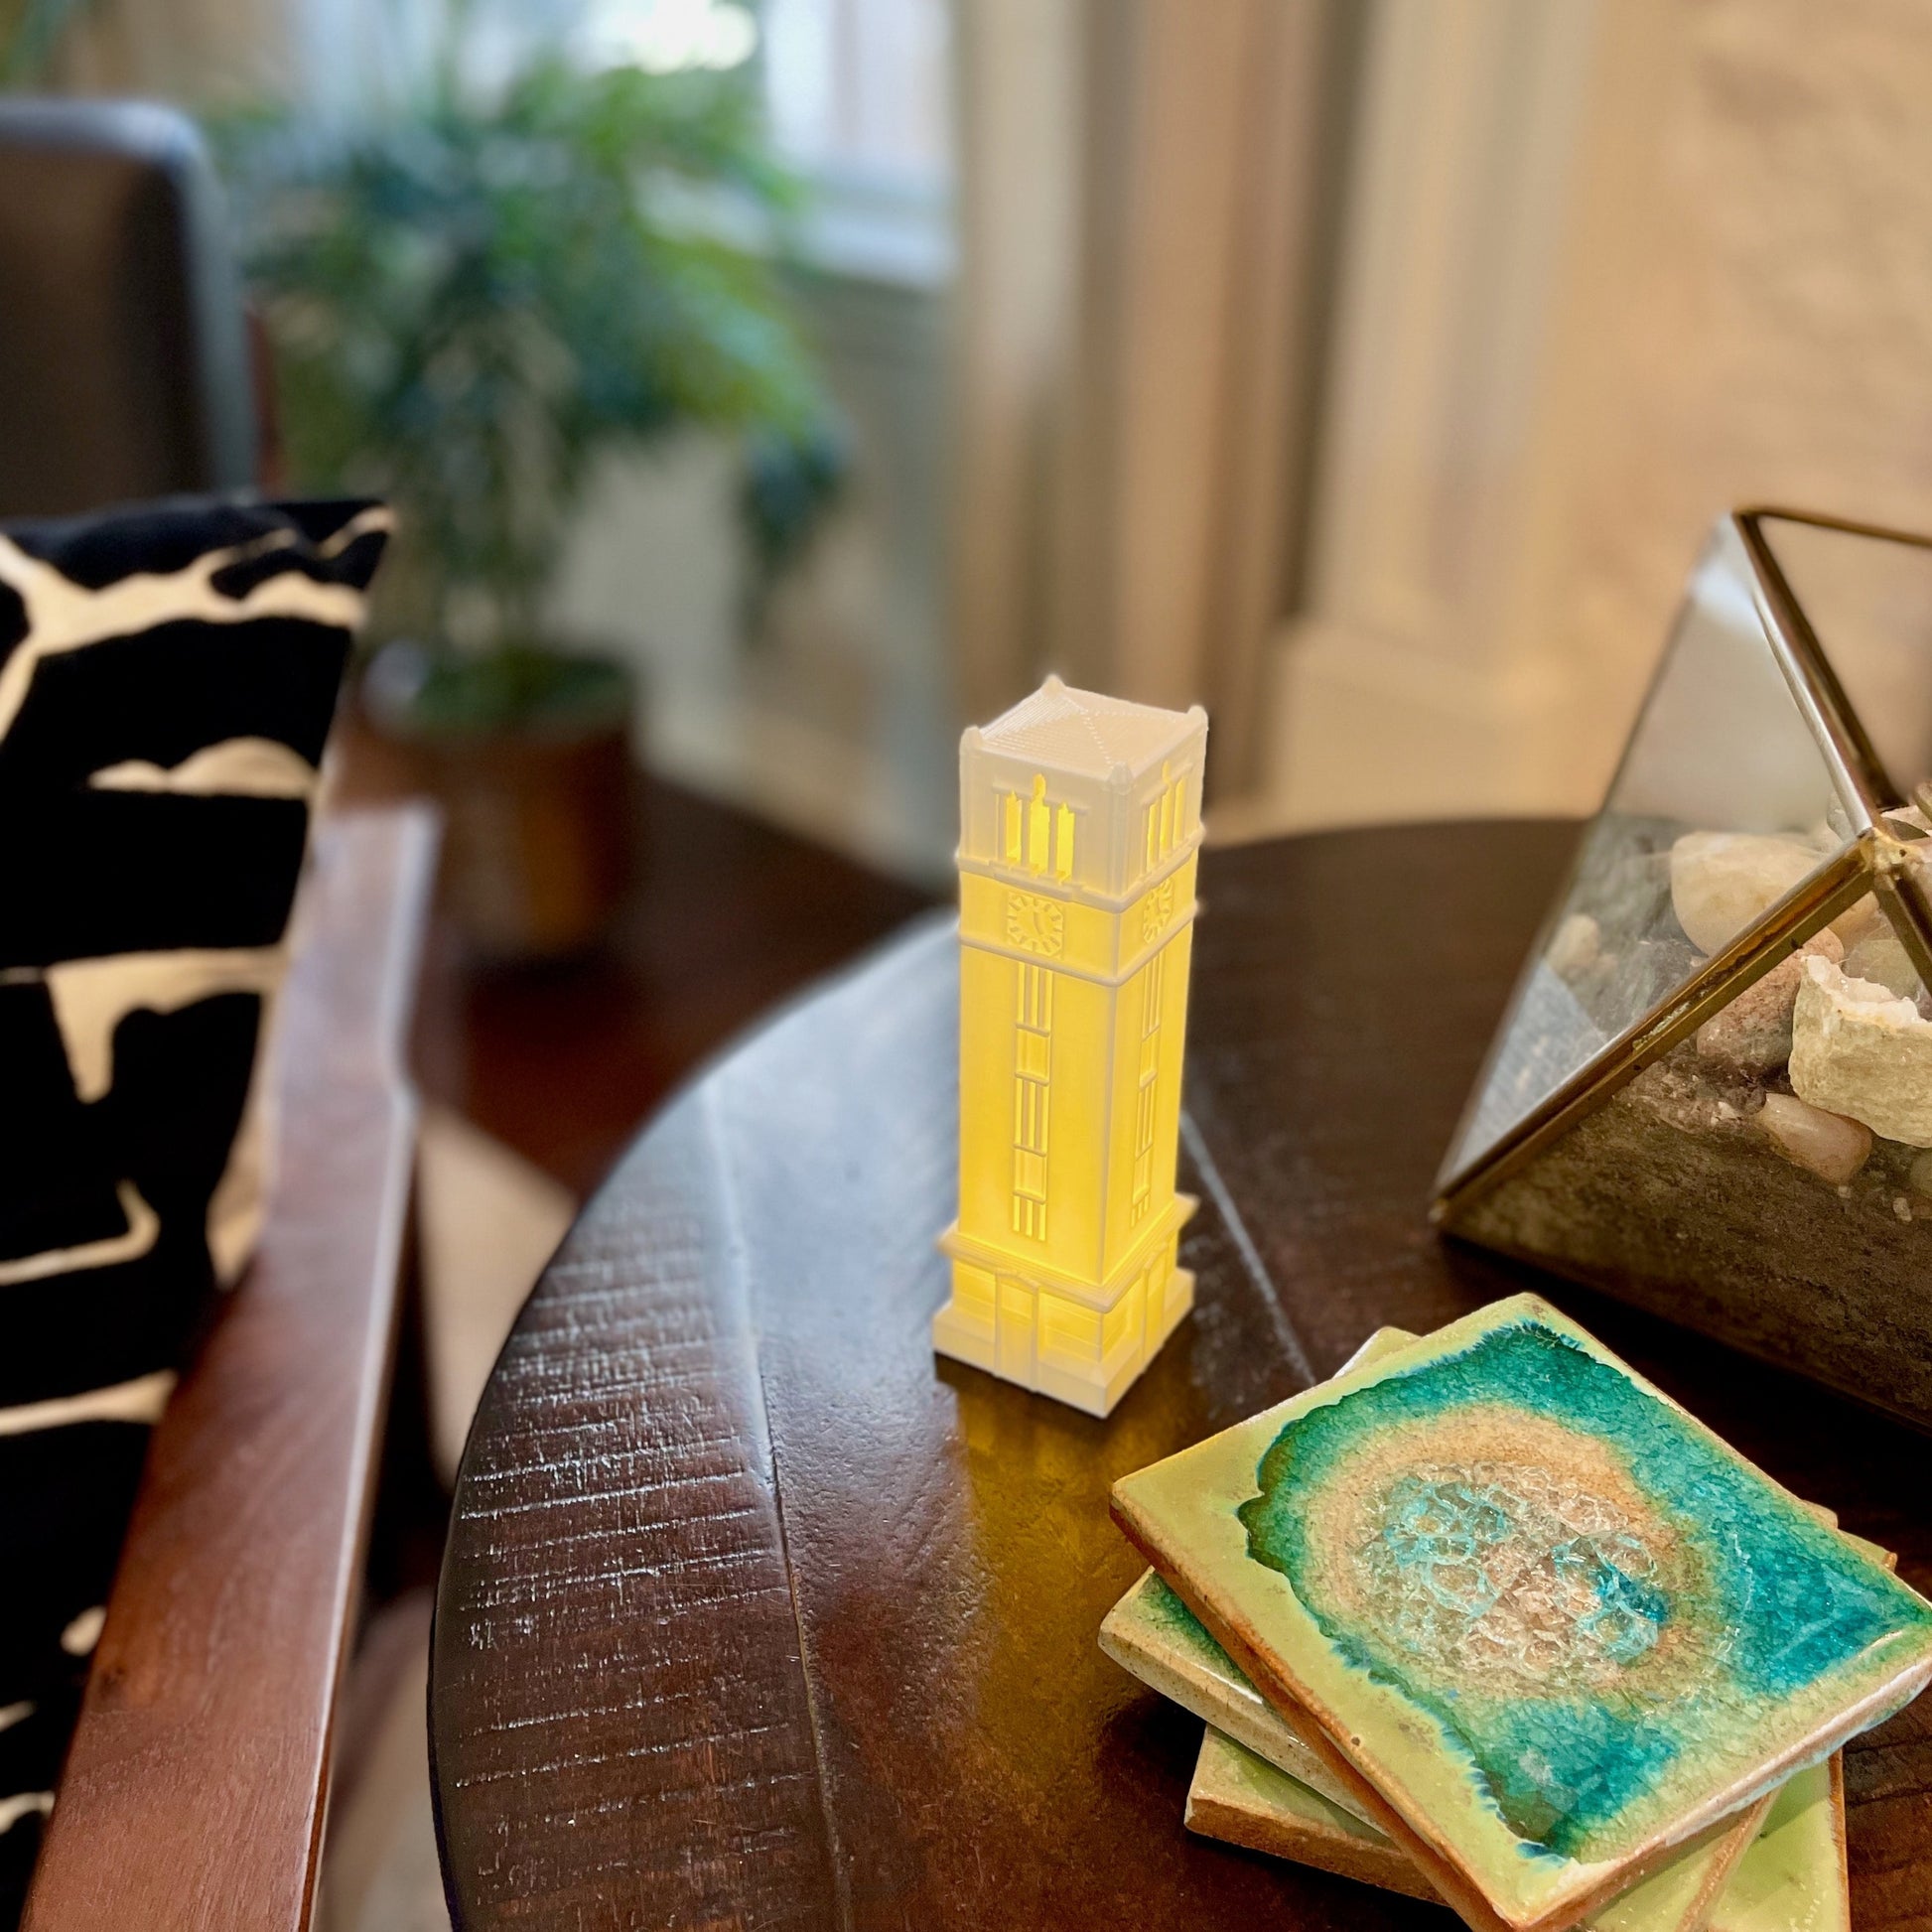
{"type": "Point", "coordinates": [755, 1614]}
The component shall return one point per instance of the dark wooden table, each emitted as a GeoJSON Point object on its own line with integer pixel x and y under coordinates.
{"type": "Point", "coordinates": [755, 1614]}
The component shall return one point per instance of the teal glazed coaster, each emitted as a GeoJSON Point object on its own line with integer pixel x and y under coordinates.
{"type": "Point", "coordinates": [1541, 1620]}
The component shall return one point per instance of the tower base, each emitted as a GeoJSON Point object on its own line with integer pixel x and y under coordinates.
{"type": "Point", "coordinates": [1027, 1331]}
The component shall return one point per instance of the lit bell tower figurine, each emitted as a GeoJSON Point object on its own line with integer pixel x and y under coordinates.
{"type": "Point", "coordinates": [1080, 833]}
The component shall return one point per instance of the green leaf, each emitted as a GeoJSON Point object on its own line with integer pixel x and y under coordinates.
{"type": "Point", "coordinates": [472, 301]}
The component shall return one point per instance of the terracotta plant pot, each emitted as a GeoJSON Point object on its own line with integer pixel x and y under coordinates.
{"type": "Point", "coordinates": [529, 757]}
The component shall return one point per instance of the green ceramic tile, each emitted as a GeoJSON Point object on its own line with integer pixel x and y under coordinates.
{"type": "Point", "coordinates": [1155, 1637]}
{"type": "Point", "coordinates": [1153, 1633]}
{"type": "Point", "coordinates": [1793, 1879]}
{"type": "Point", "coordinates": [1242, 1799]}
{"type": "Point", "coordinates": [1240, 1796]}
{"type": "Point", "coordinates": [1554, 1624]}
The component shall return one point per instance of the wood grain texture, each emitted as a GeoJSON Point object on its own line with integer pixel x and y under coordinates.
{"type": "Point", "coordinates": [193, 1795]}
{"type": "Point", "coordinates": [755, 1614]}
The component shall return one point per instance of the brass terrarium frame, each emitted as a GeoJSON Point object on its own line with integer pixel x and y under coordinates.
{"type": "Point", "coordinates": [1878, 859]}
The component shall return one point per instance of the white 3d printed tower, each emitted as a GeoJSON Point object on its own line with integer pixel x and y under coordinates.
{"type": "Point", "coordinates": [1079, 835]}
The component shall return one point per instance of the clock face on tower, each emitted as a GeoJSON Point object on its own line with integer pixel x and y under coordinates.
{"type": "Point", "coordinates": [1157, 908]}
{"type": "Point", "coordinates": [1036, 924]}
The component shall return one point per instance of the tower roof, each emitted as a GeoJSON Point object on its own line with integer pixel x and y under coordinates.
{"type": "Point", "coordinates": [1088, 733]}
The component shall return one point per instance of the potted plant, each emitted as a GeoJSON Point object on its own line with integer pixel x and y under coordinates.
{"type": "Point", "coordinates": [469, 302]}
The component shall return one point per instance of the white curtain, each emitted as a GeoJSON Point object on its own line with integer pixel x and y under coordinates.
{"type": "Point", "coordinates": [1142, 183]}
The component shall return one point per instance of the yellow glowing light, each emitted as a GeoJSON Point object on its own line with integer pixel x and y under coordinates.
{"type": "Point", "coordinates": [1079, 830]}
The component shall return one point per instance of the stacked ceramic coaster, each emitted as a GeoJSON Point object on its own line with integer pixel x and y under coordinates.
{"type": "Point", "coordinates": [1490, 1620]}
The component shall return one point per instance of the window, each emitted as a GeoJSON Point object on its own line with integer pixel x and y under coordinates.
{"type": "Point", "coordinates": [1033, 1063]}
{"type": "Point", "coordinates": [1036, 833]}
{"type": "Point", "coordinates": [1162, 821]}
{"type": "Point", "coordinates": [859, 94]}
{"type": "Point", "coordinates": [862, 89]}
{"type": "Point", "coordinates": [1152, 984]}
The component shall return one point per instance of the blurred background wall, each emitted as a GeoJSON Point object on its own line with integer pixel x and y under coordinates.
{"type": "Point", "coordinates": [1368, 369]}
{"type": "Point", "coordinates": [1609, 269]}
{"type": "Point", "coordinates": [1425, 354]}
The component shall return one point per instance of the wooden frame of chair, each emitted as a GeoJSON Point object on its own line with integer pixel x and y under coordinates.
{"type": "Point", "coordinates": [195, 1789]}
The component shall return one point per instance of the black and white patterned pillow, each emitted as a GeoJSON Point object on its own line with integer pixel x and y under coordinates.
{"type": "Point", "coordinates": [168, 674]}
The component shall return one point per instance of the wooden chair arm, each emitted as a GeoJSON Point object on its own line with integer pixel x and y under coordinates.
{"type": "Point", "coordinates": [194, 1791]}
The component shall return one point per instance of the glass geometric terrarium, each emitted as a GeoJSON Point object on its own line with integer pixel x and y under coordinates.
{"type": "Point", "coordinates": [1712, 1092]}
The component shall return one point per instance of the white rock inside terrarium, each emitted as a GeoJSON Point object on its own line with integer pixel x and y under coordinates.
{"type": "Point", "coordinates": [1721, 881]}
{"type": "Point", "coordinates": [1823, 1057]}
{"type": "Point", "coordinates": [1860, 1049]}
